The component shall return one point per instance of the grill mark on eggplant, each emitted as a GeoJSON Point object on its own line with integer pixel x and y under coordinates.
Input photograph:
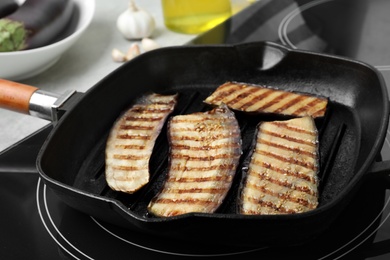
{"type": "Point", "coordinates": [236, 99]}
{"type": "Point", "coordinates": [271, 205]}
{"type": "Point", "coordinates": [199, 120]}
{"type": "Point", "coordinates": [204, 169]}
{"type": "Point", "coordinates": [289, 104]}
{"type": "Point", "coordinates": [282, 196]}
{"type": "Point", "coordinates": [142, 118]}
{"type": "Point", "coordinates": [201, 158]}
{"type": "Point", "coordinates": [129, 157]}
{"type": "Point", "coordinates": [285, 171]}
{"type": "Point", "coordinates": [293, 128]}
{"type": "Point", "coordinates": [194, 138]}
{"type": "Point", "coordinates": [196, 190]}
{"type": "Point", "coordinates": [319, 113]}
{"type": "Point", "coordinates": [310, 104]}
{"type": "Point", "coordinates": [254, 98]}
{"type": "Point", "coordinates": [143, 110]}
{"type": "Point", "coordinates": [265, 177]}
{"type": "Point", "coordinates": [128, 168]}
{"type": "Point", "coordinates": [200, 179]}
{"type": "Point", "coordinates": [224, 94]}
{"type": "Point", "coordinates": [282, 175]}
{"type": "Point", "coordinates": [290, 138]}
{"type": "Point", "coordinates": [288, 159]}
{"type": "Point", "coordinates": [297, 150]}
{"type": "Point", "coordinates": [136, 127]}
{"type": "Point", "coordinates": [130, 147]}
{"type": "Point", "coordinates": [274, 101]}
{"type": "Point", "coordinates": [134, 137]}
{"type": "Point", "coordinates": [201, 172]}
{"type": "Point", "coordinates": [131, 141]}
{"type": "Point", "coordinates": [202, 148]}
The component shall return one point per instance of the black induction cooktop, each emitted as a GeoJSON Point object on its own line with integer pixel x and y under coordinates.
{"type": "Point", "coordinates": [35, 224]}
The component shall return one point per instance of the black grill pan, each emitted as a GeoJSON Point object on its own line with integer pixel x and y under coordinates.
{"type": "Point", "coordinates": [71, 161]}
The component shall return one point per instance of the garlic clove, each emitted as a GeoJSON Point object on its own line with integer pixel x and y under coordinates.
{"type": "Point", "coordinates": [148, 44]}
{"type": "Point", "coordinates": [133, 51]}
{"type": "Point", "coordinates": [118, 56]}
{"type": "Point", "coordinates": [135, 23]}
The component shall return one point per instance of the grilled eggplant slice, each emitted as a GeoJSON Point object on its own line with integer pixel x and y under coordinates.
{"type": "Point", "coordinates": [282, 173]}
{"type": "Point", "coordinates": [131, 141]}
{"type": "Point", "coordinates": [251, 98]}
{"type": "Point", "coordinates": [205, 150]}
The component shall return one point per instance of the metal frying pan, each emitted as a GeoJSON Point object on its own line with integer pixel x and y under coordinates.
{"type": "Point", "coordinates": [71, 161]}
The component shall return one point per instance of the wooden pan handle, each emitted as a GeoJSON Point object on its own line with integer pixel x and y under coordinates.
{"type": "Point", "coordinates": [15, 96]}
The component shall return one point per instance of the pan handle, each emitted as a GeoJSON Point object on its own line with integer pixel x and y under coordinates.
{"type": "Point", "coordinates": [30, 100]}
{"type": "Point", "coordinates": [16, 96]}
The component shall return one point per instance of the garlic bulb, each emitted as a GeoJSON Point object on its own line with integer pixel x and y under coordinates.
{"type": "Point", "coordinates": [135, 23]}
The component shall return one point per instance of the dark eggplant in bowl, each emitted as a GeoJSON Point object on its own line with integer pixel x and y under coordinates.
{"type": "Point", "coordinates": [35, 23]}
{"type": "Point", "coordinates": [45, 41]}
{"type": "Point", "coordinates": [7, 7]}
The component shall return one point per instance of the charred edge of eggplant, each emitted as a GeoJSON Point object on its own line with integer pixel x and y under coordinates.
{"type": "Point", "coordinates": [245, 168]}
{"type": "Point", "coordinates": [160, 187]}
{"type": "Point", "coordinates": [279, 89]}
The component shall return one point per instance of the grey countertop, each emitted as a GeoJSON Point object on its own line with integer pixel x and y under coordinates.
{"type": "Point", "coordinates": [86, 63]}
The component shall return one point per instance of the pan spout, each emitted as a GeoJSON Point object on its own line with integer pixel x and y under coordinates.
{"type": "Point", "coordinates": [262, 56]}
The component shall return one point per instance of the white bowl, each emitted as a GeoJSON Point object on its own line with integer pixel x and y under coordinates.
{"type": "Point", "coordinates": [24, 64]}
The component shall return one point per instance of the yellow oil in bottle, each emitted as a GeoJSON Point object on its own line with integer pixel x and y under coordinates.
{"type": "Point", "coordinates": [195, 16]}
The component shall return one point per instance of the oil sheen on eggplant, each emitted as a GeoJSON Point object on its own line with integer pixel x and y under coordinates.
{"type": "Point", "coordinates": [205, 148]}
{"type": "Point", "coordinates": [36, 23]}
{"type": "Point", "coordinates": [282, 173]}
{"type": "Point", "coordinates": [131, 141]}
